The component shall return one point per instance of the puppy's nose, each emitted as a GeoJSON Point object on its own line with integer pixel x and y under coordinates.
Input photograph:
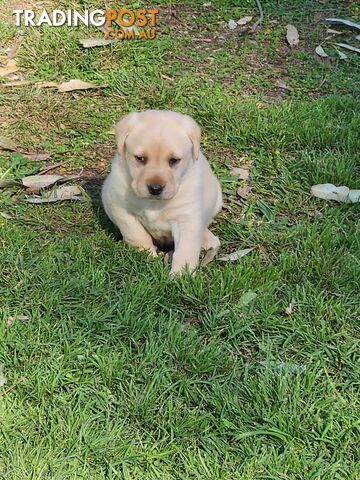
{"type": "Point", "coordinates": [155, 189]}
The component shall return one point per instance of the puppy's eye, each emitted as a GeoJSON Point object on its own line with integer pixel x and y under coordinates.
{"type": "Point", "coordinates": [140, 159]}
{"type": "Point", "coordinates": [174, 161]}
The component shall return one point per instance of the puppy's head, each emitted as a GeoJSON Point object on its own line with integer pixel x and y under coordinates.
{"type": "Point", "coordinates": [157, 147]}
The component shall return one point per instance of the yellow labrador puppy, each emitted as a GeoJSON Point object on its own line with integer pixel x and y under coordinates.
{"type": "Point", "coordinates": [161, 189]}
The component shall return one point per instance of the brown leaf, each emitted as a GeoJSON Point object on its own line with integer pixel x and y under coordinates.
{"type": "Point", "coordinates": [244, 20]}
{"type": "Point", "coordinates": [61, 193]}
{"type": "Point", "coordinates": [290, 308]}
{"type": "Point", "coordinates": [236, 255]}
{"type": "Point", "coordinates": [7, 144]}
{"type": "Point", "coordinates": [292, 35]}
{"type": "Point", "coordinates": [40, 181]}
{"type": "Point", "coordinates": [10, 67]}
{"type": "Point", "coordinates": [37, 156]}
{"type": "Point", "coordinates": [241, 171]}
{"type": "Point", "coordinates": [77, 85]}
{"type": "Point", "coordinates": [95, 42]}
{"type": "Point", "coordinates": [8, 183]}
{"type": "Point", "coordinates": [5, 215]}
{"type": "Point", "coordinates": [321, 52]}
{"type": "Point", "coordinates": [281, 84]}
{"type": "Point", "coordinates": [22, 83]}
{"type": "Point", "coordinates": [244, 192]}
{"type": "Point", "coordinates": [209, 256]}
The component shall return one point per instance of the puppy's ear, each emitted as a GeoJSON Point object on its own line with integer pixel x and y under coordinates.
{"type": "Point", "coordinates": [194, 133]}
{"type": "Point", "coordinates": [122, 130]}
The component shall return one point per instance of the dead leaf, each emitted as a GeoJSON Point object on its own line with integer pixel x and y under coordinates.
{"type": "Point", "coordinates": [335, 32]}
{"type": "Point", "coordinates": [10, 67]}
{"type": "Point", "coordinates": [348, 47]}
{"type": "Point", "coordinates": [5, 215]}
{"type": "Point", "coordinates": [328, 191]}
{"type": "Point", "coordinates": [342, 55]}
{"type": "Point", "coordinates": [341, 21]}
{"type": "Point", "coordinates": [232, 24]}
{"type": "Point", "coordinates": [290, 308]}
{"type": "Point", "coordinates": [60, 194]}
{"type": "Point", "coordinates": [37, 156]}
{"type": "Point", "coordinates": [209, 256]}
{"type": "Point", "coordinates": [95, 42]}
{"type": "Point", "coordinates": [244, 20]}
{"type": "Point", "coordinates": [292, 35]}
{"type": "Point", "coordinates": [40, 181]}
{"type": "Point", "coordinates": [241, 171]}
{"type": "Point", "coordinates": [357, 37]}
{"type": "Point", "coordinates": [12, 319]}
{"type": "Point", "coordinates": [235, 255]}
{"type": "Point", "coordinates": [22, 83]}
{"type": "Point", "coordinates": [244, 192]}
{"type": "Point", "coordinates": [7, 144]}
{"type": "Point", "coordinates": [281, 84]}
{"type": "Point", "coordinates": [77, 85]}
{"type": "Point", "coordinates": [3, 379]}
{"type": "Point", "coordinates": [12, 51]}
{"type": "Point", "coordinates": [165, 77]}
{"type": "Point", "coordinates": [321, 52]}
{"type": "Point", "coordinates": [8, 183]}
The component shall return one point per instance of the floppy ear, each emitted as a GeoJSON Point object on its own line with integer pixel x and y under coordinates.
{"type": "Point", "coordinates": [194, 133]}
{"type": "Point", "coordinates": [122, 130]}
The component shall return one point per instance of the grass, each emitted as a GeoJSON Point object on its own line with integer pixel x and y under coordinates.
{"type": "Point", "coordinates": [118, 372]}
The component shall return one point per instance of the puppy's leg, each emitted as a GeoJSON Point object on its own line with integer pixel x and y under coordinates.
{"type": "Point", "coordinates": [187, 240]}
{"type": "Point", "coordinates": [210, 241]}
{"type": "Point", "coordinates": [132, 231]}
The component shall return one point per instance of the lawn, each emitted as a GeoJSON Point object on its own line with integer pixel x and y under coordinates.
{"type": "Point", "coordinates": [247, 370]}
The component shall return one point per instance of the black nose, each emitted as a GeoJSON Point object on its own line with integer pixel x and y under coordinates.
{"type": "Point", "coordinates": [155, 189]}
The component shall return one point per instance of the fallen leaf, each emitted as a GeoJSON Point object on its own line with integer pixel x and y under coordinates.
{"type": "Point", "coordinates": [37, 156]}
{"type": "Point", "coordinates": [292, 35]}
{"type": "Point", "coordinates": [22, 83]}
{"type": "Point", "coordinates": [7, 144]}
{"type": "Point", "coordinates": [235, 255]}
{"type": "Point", "coordinates": [10, 67]}
{"type": "Point", "coordinates": [321, 52]}
{"type": "Point", "coordinates": [290, 308]}
{"type": "Point", "coordinates": [357, 37]}
{"type": "Point", "coordinates": [281, 84]}
{"type": "Point", "coordinates": [60, 194]}
{"type": "Point", "coordinates": [348, 47]}
{"type": "Point", "coordinates": [8, 183]}
{"type": "Point", "coordinates": [3, 379]}
{"type": "Point", "coordinates": [244, 20]}
{"type": "Point", "coordinates": [12, 319]}
{"type": "Point", "coordinates": [40, 181]}
{"type": "Point", "coordinates": [95, 42]}
{"type": "Point", "coordinates": [328, 191]}
{"type": "Point", "coordinates": [342, 55]}
{"type": "Point", "coordinates": [335, 32]}
{"type": "Point", "coordinates": [5, 215]}
{"type": "Point", "coordinates": [241, 171]}
{"type": "Point", "coordinates": [207, 4]}
{"type": "Point", "coordinates": [246, 298]}
{"type": "Point", "coordinates": [76, 85]}
{"type": "Point", "coordinates": [209, 256]}
{"type": "Point", "coordinates": [341, 21]}
{"type": "Point", "coordinates": [244, 192]}
{"type": "Point", "coordinates": [232, 24]}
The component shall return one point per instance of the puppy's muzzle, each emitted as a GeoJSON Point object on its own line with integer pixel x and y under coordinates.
{"type": "Point", "coordinates": [155, 189]}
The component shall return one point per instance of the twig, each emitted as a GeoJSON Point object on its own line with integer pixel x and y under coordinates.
{"type": "Point", "coordinates": [8, 390]}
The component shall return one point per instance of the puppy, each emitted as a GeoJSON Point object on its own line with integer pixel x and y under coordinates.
{"type": "Point", "coordinates": [161, 189]}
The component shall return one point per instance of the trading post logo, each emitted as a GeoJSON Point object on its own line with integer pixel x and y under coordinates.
{"type": "Point", "coordinates": [124, 24]}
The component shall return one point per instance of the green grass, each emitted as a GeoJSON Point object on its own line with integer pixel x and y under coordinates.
{"type": "Point", "coordinates": [118, 372]}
